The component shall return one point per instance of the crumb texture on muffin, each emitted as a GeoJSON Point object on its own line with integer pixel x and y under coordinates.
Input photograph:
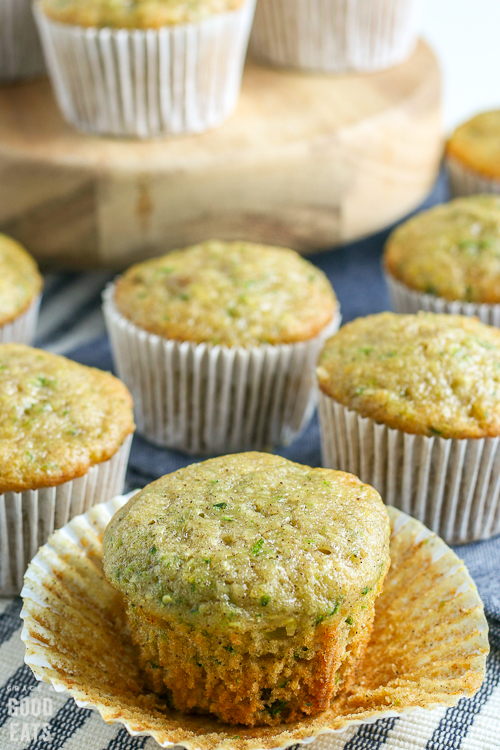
{"type": "Point", "coordinates": [451, 250]}
{"type": "Point", "coordinates": [250, 582]}
{"type": "Point", "coordinates": [428, 374]}
{"type": "Point", "coordinates": [20, 281]}
{"type": "Point", "coordinates": [140, 14]}
{"type": "Point", "coordinates": [57, 418]}
{"type": "Point", "coordinates": [476, 144]}
{"type": "Point", "coordinates": [228, 293]}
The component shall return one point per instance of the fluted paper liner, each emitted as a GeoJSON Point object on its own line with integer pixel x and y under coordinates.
{"type": "Point", "coordinates": [20, 52]}
{"type": "Point", "coordinates": [184, 78]}
{"type": "Point", "coordinates": [428, 647]}
{"type": "Point", "coordinates": [406, 300]}
{"type": "Point", "coordinates": [22, 329]}
{"type": "Point", "coordinates": [205, 399]}
{"type": "Point", "coordinates": [466, 181]}
{"type": "Point", "coordinates": [28, 518]}
{"type": "Point", "coordinates": [335, 35]}
{"type": "Point", "coordinates": [452, 486]}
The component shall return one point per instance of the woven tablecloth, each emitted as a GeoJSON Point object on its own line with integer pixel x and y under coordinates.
{"type": "Point", "coordinates": [34, 716]}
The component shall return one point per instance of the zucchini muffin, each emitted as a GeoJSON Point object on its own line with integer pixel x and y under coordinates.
{"type": "Point", "coordinates": [412, 402]}
{"type": "Point", "coordinates": [218, 344]}
{"type": "Point", "coordinates": [250, 584]}
{"type": "Point", "coordinates": [473, 155]}
{"type": "Point", "coordinates": [175, 66]}
{"type": "Point", "coordinates": [20, 290]}
{"type": "Point", "coordinates": [64, 444]}
{"type": "Point", "coordinates": [447, 259]}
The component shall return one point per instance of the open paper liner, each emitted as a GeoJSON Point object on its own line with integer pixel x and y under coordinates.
{"type": "Point", "coordinates": [428, 647]}
{"type": "Point", "coordinates": [452, 486]}
{"type": "Point", "coordinates": [335, 35]}
{"type": "Point", "coordinates": [406, 300]}
{"type": "Point", "coordinates": [205, 399]}
{"type": "Point", "coordinates": [466, 181]}
{"type": "Point", "coordinates": [20, 52]}
{"type": "Point", "coordinates": [22, 329]}
{"type": "Point", "coordinates": [184, 78]}
{"type": "Point", "coordinates": [28, 518]}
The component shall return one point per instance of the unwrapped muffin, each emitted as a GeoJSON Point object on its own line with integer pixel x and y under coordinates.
{"type": "Point", "coordinates": [64, 444]}
{"type": "Point", "coordinates": [218, 344]}
{"type": "Point", "coordinates": [147, 68]}
{"type": "Point", "coordinates": [473, 155]}
{"type": "Point", "coordinates": [411, 404]}
{"type": "Point", "coordinates": [250, 584]}
{"type": "Point", "coordinates": [20, 291]}
{"type": "Point", "coordinates": [447, 259]}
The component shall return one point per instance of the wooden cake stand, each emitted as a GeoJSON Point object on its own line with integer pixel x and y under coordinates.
{"type": "Point", "coordinates": [306, 161]}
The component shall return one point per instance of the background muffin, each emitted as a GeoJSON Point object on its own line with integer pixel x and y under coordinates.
{"type": "Point", "coordinates": [20, 51]}
{"type": "Point", "coordinates": [250, 583]}
{"type": "Point", "coordinates": [447, 259]}
{"type": "Point", "coordinates": [412, 404]}
{"type": "Point", "coordinates": [218, 344]}
{"type": "Point", "coordinates": [64, 446]}
{"type": "Point", "coordinates": [473, 155]}
{"type": "Point", "coordinates": [20, 291]}
{"type": "Point", "coordinates": [149, 68]}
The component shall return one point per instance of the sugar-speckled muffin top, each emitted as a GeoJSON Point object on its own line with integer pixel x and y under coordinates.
{"type": "Point", "coordinates": [20, 281]}
{"type": "Point", "coordinates": [229, 293]}
{"type": "Point", "coordinates": [139, 14]}
{"type": "Point", "coordinates": [476, 144]}
{"type": "Point", "coordinates": [426, 374]}
{"type": "Point", "coordinates": [452, 250]}
{"type": "Point", "coordinates": [57, 418]}
{"type": "Point", "coordinates": [248, 540]}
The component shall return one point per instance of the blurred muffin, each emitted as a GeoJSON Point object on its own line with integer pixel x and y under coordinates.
{"type": "Point", "coordinates": [20, 51]}
{"type": "Point", "coordinates": [473, 155]}
{"type": "Point", "coordinates": [412, 404]}
{"type": "Point", "coordinates": [218, 344]}
{"type": "Point", "coordinates": [20, 291]}
{"type": "Point", "coordinates": [63, 447]}
{"type": "Point", "coordinates": [447, 259]}
{"type": "Point", "coordinates": [147, 68]}
{"type": "Point", "coordinates": [250, 584]}
{"type": "Point", "coordinates": [333, 36]}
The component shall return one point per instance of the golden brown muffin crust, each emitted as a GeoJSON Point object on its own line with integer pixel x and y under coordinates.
{"type": "Point", "coordinates": [228, 293]}
{"type": "Point", "coordinates": [476, 144]}
{"type": "Point", "coordinates": [57, 418]}
{"type": "Point", "coordinates": [427, 374]}
{"type": "Point", "coordinates": [20, 281]}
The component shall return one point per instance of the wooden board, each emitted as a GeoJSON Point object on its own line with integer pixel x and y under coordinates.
{"type": "Point", "coordinates": [305, 161]}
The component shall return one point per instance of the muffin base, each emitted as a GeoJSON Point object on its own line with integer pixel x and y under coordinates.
{"type": "Point", "coordinates": [335, 35]}
{"type": "Point", "coordinates": [20, 52]}
{"type": "Point", "coordinates": [406, 300]}
{"type": "Point", "coordinates": [28, 518]}
{"type": "Point", "coordinates": [22, 329]}
{"type": "Point", "coordinates": [205, 399]}
{"type": "Point", "coordinates": [147, 82]}
{"type": "Point", "coordinates": [453, 486]}
{"type": "Point", "coordinates": [466, 181]}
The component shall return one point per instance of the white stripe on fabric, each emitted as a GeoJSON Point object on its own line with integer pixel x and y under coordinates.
{"type": "Point", "coordinates": [95, 734]}
{"type": "Point", "coordinates": [485, 731]}
{"type": "Point", "coordinates": [414, 730]}
{"type": "Point", "coordinates": [11, 656]}
{"type": "Point", "coordinates": [14, 733]}
{"type": "Point", "coordinates": [91, 327]}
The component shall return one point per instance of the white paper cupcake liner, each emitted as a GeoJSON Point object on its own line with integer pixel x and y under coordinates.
{"type": "Point", "coordinates": [22, 329]}
{"type": "Point", "coordinates": [465, 181]}
{"type": "Point", "coordinates": [28, 518]}
{"type": "Point", "coordinates": [205, 399]}
{"type": "Point", "coordinates": [20, 52]}
{"type": "Point", "coordinates": [452, 486]}
{"type": "Point", "coordinates": [335, 35]}
{"type": "Point", "coordinates": [144, 83]}
{"type": "Point", "coordinates": [406, 300]}
{"type": "Point", "coordinates": [76, 640]}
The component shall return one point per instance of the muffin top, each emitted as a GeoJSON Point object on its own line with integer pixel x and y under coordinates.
{"type": "Point", "coordinates": [20, 281]}
{"type": "Point", "coordinates": [229, 293]}
{"type": "Point", "coordinates": [248, 541]}
{"type": "Point", "coordinates": [426, 374]}
{"type": "Point", "coordinates": [139, 14]}
{"type": "Point", "coordinates": [476, 144]}
{"type": "Point", "coordinates": [452, 250]}
{"type": "Point", "coordinates": [57, 418]}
